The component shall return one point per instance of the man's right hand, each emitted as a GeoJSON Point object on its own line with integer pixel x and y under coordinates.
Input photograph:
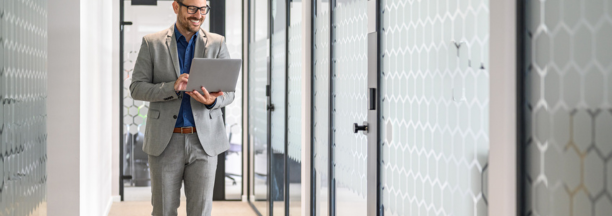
{"type": "Point", "coordinates": [181, 82]}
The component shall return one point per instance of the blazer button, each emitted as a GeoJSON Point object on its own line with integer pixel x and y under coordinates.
{"type": "Point", "coordinates": [174, 116]}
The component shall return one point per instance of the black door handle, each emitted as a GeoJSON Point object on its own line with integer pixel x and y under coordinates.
{"type": "Point", "coordinates": [357, 128]}
{"type": "Point", "coordinates": [270, 107]}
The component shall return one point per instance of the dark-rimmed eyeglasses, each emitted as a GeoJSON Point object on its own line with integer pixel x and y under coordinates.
{"type": "Point", "coordinates": [193, 9]}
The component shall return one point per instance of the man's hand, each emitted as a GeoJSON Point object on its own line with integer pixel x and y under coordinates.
{"type": "Point", "coordinates": [207, 98]}
{"type": "Point", "coordinates": [181, 82]}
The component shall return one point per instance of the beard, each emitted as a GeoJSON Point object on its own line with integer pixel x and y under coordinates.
{"type": "Point", "coordinates": [187, 25]}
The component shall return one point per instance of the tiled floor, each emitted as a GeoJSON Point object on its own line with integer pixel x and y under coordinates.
{"type": "Point", "coordinates": [143, 208]}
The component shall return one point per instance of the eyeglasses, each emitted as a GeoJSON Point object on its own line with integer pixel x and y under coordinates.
{"type": "Point", "coordinates": [193, 9]}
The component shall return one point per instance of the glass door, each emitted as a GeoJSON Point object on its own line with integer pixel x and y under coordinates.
{"type": "Point", "coordinates": [348, 106]}
{"type": "Point", "coordinates": [278, 114]}
{"type": "Point", "coordinates": [434, 84]}
{"type": "Point", "coordinates": [258, 103]}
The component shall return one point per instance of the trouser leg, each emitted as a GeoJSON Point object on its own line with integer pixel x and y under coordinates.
{"type": "Point", "coordinates": [166, 177]}
{"type": "Point", "coordinates": [199, 179]}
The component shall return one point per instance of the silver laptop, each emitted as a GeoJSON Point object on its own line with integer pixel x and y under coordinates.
{"type": "Point", "coordinates": [214, 74]}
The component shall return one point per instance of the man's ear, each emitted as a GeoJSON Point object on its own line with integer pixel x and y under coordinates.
{"type": "Point", "coordinates": [175, 6]}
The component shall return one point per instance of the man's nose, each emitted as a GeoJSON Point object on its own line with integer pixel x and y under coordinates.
{"type": "Point", "coordinates": [197, 14]}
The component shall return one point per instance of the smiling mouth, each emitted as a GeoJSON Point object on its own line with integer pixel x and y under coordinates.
{"type": "Point", "coordinates": [194, 22]}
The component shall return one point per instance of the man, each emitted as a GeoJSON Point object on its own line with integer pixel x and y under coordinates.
{"type": "Point", "coordinates": [184, 132]}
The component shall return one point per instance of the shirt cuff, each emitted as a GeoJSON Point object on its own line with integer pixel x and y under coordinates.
{"type": "Point", "coordinates": [212, 105]}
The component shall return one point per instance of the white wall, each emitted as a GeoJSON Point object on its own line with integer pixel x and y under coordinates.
{"type": "Point", "coordinates": [96, 106]}
{"type": "Point", "coordinates": [80, 107]}
{"type": "Point", "coordinates": [115, 101]}
{"type": "Point", "coordinates": [63, 110]}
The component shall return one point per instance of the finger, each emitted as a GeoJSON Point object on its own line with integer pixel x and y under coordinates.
{"type": "Point", "coordinates": [216, 94]}
{"type": "Point", "coordinates": [206, 93]}
{"type": "Point", "coordinates": [198, 96]}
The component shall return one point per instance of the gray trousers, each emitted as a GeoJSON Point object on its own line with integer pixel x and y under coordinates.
{"type": "Point", "coordinates": [182, 160]}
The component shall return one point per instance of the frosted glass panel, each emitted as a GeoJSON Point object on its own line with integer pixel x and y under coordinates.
{"type": "Point", "coordinates": [277, 80]}
{"type": "Point", "coordinates": [258, 119]}
{"type": "Point", "coordinates": [434, 104]}
{"type": "Point", "coordinates": [294, 109]}
{"type": "Point", "coordinates": [349, 96]}
{"type": "Point", "coordinates": [568, 107]}
{"type": "Point", "coordinates": [23, 111]}
{"type": "Point", "coordinates": [321, 108]}
{"type": "Point", "coordinates": [233, 112]}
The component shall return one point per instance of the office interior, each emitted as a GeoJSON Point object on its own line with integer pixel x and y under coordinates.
{"type": "Point", "coordinates": [343, 107]}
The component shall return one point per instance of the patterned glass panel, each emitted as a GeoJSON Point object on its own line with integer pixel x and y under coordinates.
{"type": "Point", "coordinates": [294, 108]}
{"type": "Point", "coordinates": [349, 106]}
{"type": "Point", "coordinates": [277, 80]}
{"type": "Point", "coordinates": [233, 112]}
{"type": "Point", "coordinates": [23, 117]}
{"type": "Point", "coordinates": [568, 107]}
{"type": "Point", "coordinates": [321, 107]}
{"type": "Point", "coordinates": [278, 85]}
{"type": "Point", "coordinates": [434, 123]}
{"type": "Point", "coordinates": [258, 115]}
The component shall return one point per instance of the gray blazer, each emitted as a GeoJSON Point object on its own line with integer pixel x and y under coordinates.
{"type": "Point", "coordinates": [156, 70]}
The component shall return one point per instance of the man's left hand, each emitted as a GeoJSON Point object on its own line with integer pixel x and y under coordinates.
{"type": "Point", "coordinates": [206, 98]}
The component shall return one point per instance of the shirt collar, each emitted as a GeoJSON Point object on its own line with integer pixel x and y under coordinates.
{"type": "Point", "coordinates": [178, 34]}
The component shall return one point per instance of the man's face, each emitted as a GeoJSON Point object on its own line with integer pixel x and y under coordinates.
{"type": "Point", "coordinates": [189, 22]}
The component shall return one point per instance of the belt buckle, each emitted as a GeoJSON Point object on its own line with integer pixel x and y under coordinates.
{"type": "Point", "coordinates": [186, 128]}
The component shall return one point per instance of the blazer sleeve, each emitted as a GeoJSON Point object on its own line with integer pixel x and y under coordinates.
{"type": "Point", "coordinates": [227, 97]}
{"type": "Point", "coordinates": [142, 86]}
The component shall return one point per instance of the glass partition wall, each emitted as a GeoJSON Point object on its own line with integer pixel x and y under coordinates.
{"type": "Point", "coordinates": [294, 108]}
{"type": "Point", "coordinates": [23, 111]}
{"type": "Point", "coordinates": [434, 83]}
{"type": "Point", "coordinates": [567, 107]}
{"type": "Point", "coordinates": [258, 103]}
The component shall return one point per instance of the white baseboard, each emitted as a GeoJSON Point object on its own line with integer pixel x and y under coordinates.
{"type": "Point", "coordinates": [244, 198]}
{"type": "Point", "coordinates": [109, 205]}
{"type": "Point", "coordinates": [116, 198]}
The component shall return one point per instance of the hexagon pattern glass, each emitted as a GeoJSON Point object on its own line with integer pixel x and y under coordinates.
{"type": "Point", "coordinates": [294, 108]}
{"type": "Point", "coordinates": [434, 104]}
{"type": "Point", "coordinates": [349, 77]}
{"type": "Point", "coordinates": [258, 115]}
{"type": "Point", "coordinates": [568, 107]}
{"type": "Point", "coordinates": [23, 115]}
{"type": "Point", "coordinates": [320, 133]}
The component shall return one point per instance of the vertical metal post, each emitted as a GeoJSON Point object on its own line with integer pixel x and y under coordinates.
{"type": "Point", "coordinates": [269, 117]}
{"type": "Point", "coordinates": [332, 185]}
{"type": "Point", "coordinates": [121, 75]}
{"type": "Point", "coordinates": [373, 179]}
{"type": "Point", "coordinates": [286, 161]}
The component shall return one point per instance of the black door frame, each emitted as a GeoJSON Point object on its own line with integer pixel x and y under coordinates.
{"type": "Point", "coordinates": [217, 25]}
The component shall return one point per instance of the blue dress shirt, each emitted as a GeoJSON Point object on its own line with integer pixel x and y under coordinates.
{"type": "Point", "coordinates": [186, 52]}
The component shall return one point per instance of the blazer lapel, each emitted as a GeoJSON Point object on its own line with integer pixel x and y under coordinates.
{"type": "Point", "coordinates": [171, 43]}
{"type": "Point", "coordinates": [200, 50]}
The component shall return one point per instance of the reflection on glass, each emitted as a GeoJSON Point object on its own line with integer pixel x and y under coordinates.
{"type": "Point", "coordinates": [23, 114]}
{"type": "Point", "coordinates": [294, 109]}
{"type": "Point", "coordinates": [568, 107]}
{"type": "Point", "coordinates": [321, 108]}
{"type": "Point", "coordinates": [434, 104]}
{"type": "Point", "coordinates": [349, 106]}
